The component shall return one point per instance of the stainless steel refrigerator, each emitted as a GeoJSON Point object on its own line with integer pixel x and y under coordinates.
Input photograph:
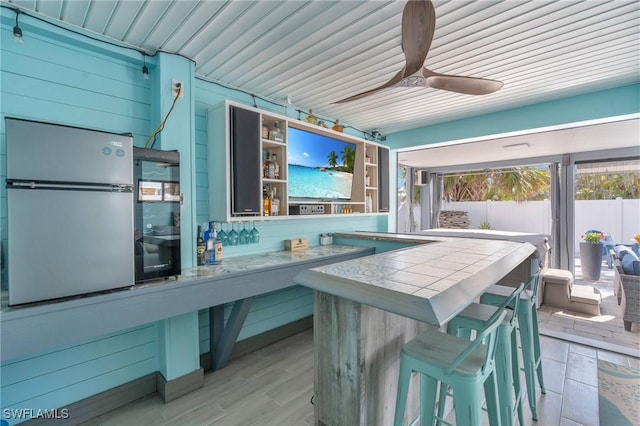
{"type": "Point", "coordinates": [69, 211]}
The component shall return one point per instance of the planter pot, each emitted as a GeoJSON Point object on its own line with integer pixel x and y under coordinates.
{"type": "Point", "coordinates": [591, 260]}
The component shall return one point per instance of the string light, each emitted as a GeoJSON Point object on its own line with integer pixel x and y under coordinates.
{"type": "Point", "coordinates": [145, 70]}
{"type": "Point", "coordinates": [17, 31]}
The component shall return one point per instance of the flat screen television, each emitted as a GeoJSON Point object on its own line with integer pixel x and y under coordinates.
{"type": "Point", "coordinates": [320, 168]}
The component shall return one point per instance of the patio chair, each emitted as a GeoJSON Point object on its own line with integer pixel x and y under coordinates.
{"type": "Point", "coordinates": [628, 292]}
{"type": "Point", "coordinates": [607, 244]}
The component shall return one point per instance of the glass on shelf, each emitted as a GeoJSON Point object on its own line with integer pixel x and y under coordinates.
{"type": "Point", "coordinates": [254, 235]}
{"type": "Point", "coordinates": [243, 237]}
{"type": "Point", "coordinates": [233, 235]}
{"type": "Point", "coordinates": [223, 236]}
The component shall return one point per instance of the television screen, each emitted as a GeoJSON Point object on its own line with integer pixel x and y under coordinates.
{"type": "Point", "coordinates": [319, 167]}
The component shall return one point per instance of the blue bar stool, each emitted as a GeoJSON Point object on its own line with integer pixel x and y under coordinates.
{"type": "Point", "coordinates": [431, 354]}
{"type": "Point", "coordinates": [529, 336]}
{"type": "Point", "coordinates": [475, 317]}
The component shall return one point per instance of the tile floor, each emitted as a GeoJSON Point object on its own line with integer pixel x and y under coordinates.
{"type": "Point", "coordinates": [273, 386]}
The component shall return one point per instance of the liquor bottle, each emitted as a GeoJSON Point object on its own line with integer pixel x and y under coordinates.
{"type": "Point", "coordinates": [276, 134]}
{"type": "Point", "coordinates": [216, 248]}
{"type": "Point", "coordinates": [369, 204]}
{"type": "Point", "coordinates": [265, 130]}
{"type": "Point", "coordinates": [275, 202]}
{"type": "Point", "coordinates": [200, 247]}
{"type": "Point", "coordinates": [276, 166]}
{"type": "Point", "coordinates": [266, 202]}
{"type": "Point", "coordinates": [338, 127]}
{"type": "Point", "coordinates": [207, 234]}
{"type": "Point", "coordinates": [269, 168]}
{"type": "Point", "coordinates": [311, 118]}
{"type": "Point", "coordinates": [367, 178]}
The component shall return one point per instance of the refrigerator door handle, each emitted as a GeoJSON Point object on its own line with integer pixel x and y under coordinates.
{"type": "Point", "coordinates": [67, 186]}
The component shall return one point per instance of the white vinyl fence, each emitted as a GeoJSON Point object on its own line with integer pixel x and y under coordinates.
{"type": "Point", "coordinates": [620, 218]}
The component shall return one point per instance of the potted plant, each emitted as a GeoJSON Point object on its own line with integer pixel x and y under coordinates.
{"type": "Point", "coordinates": [591, 255]}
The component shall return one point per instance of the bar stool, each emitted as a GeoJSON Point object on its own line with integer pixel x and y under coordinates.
{"type": "Point", "coordinates": [475, 317]}
{"type": "Point", "coordinates": [430, 354]}
{"type": "Point", "coordinates": [529, 336]}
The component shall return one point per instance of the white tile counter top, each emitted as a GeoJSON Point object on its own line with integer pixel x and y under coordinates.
{"type": "Point", "coordinates": [430, 282]}
{"type": "Point", "coordinates": [82, 317]}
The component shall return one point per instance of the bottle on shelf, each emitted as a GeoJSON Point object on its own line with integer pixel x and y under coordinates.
{"type": "Point", "coordinates": [200, 247]}
{"type": "Point", "coordinates": [276, 166]}
{"type": "Point", "coordinates": [269, 168]}
{"type": "Point", "coordinates": [207, 234]}
{"type": "Point", "coordinates": [215, 256]}
{"type": "Point", "coordinates": [275, 202]}
{"type": "Point", "coordinates": [276, 134]}
{"type": "Point", "coordinates": [338, 127]}
{"type": "Point", "coordinates": [265, 130]}
{"type": "Point", "coordinates": [311, 118]}
{"type": "Point", "coordinates": [266, 202]}
{"type": "Point", "coordinates": [368, 207]}
{"type": "Point", "coordinates": [367, 178]}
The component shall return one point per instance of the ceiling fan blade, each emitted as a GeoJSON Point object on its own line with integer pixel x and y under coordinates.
{"type": "Point", "coordinates": [396, 78]}
{"type": "Point", "coordinates": [460, 84]}
{"type": "Point", "coordinates": [418, 26]}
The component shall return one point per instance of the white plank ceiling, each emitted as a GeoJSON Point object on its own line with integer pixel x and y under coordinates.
{"type": "Point", "coordinates": [318, 52]}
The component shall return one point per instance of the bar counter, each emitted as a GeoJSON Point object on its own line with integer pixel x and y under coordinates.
{"type": "Point", "coordinates": [366, 309]}
{"type": "Point", "coordinates": [44, 326]}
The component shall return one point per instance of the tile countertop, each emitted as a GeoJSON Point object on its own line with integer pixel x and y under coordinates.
{"type": "Point", "coordinates": [429, 282]}
{"type": "Point", "coordinates": [232, 265]}
{"type": "Point", "coordinates": [76, 319]}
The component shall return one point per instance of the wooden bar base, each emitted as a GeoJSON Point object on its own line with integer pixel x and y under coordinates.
{"type": "Point", "coordinates": [357, 355]}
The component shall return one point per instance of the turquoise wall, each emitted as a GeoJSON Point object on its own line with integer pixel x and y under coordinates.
{"type": "Point", "coordinates": [614, 102]}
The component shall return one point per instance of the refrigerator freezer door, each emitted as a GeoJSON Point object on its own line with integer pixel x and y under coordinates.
{"type": "Point", "coordinates": [41, 151]}
{"type": "Point", "coordinates": [64, 243]}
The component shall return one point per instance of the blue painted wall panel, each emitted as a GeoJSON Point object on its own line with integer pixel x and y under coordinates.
{"type": "Point", "coordinates": [49, 80]}
{"type": "Point", "coordinates": [590, 106]}
{"type": "Point", "coordinates": [63, 376]}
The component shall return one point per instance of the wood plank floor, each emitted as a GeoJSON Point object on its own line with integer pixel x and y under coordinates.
{"type": "Point", "coordinates": [273, 386]}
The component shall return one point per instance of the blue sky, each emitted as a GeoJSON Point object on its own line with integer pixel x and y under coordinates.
{"type": "Point", "coordinates": [311, 150]}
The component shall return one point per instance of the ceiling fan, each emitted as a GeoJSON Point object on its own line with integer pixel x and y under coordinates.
{"type": "Point", "coordinates": [418, 26]}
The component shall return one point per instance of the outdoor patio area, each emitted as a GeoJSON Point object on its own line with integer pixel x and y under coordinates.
{"type": "Point", "coordinates": [605, 331]}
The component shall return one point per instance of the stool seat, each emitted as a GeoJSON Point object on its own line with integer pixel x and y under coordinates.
{"type": "Point", "coordinates": [478, 311]}
{"type": "Point", "coordinates": [440, 348]}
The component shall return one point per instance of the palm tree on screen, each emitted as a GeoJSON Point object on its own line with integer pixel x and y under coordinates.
{"type": "Point", "coordinates": [333, 159]}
